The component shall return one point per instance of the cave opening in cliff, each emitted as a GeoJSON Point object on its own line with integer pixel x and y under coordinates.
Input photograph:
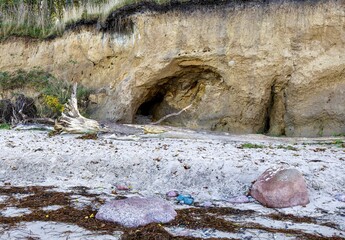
{"type": "Point", "coordinates": [147, 111]}
{"type": "Point", "coordinates": [147, 108]}
{"type": "Point", "coordinates": [172, 94]}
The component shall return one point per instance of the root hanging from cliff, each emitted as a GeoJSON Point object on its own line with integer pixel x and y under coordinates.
{"type": "Point", "coordinates": [72, 121]}
{"type": "Point", "coordinates": [171, 115]}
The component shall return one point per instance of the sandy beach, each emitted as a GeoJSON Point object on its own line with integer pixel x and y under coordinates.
{"type": "Point", "coordinates": [211, 167]}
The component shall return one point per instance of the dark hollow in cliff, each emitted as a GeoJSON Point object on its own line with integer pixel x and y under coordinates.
{"type": "Point", "coordinates": [171, 94]}
{"type": "Point", "coordinates": [148, 107]}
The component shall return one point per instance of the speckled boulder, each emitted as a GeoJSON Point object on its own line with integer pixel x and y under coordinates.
{"type": "Point", "coordinates": [135, 211]}
{"type": "Point", "coordinates": [280, 188]}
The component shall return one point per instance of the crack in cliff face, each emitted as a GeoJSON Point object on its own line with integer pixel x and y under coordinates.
{"type": "Point", "coordinates": [274, 121]}
{"type": "Point", "coordinates": [267, 122]}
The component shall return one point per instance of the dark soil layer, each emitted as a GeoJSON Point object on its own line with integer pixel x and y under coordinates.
{"type": "Point", "coordinates": [192, 218]}
{"type": "Point", "coordinates": [120, 20]}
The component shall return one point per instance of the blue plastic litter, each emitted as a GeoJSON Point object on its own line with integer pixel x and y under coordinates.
{"type": "Point", "coordinates": [185, 199]}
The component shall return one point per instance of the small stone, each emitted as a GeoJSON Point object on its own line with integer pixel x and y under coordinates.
{"type": "Point", "coordinates": [135, 211]}
{"type": "Point", "coordinates": [238, 199]}
{"type": "Point", "coordinates": [340, 197]}
{"type": "Point", "coordinates": [207, 204]}
{"type": "Point", "coordinates": [172, 193]}
{"type": "Point", "coordinates": [186, 166]}
{"type": "Point", "coordinates": [279, 188]}
{"type": "Point", "coordinates": [122, 188]}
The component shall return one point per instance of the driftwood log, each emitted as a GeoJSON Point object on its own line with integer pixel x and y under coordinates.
{"type": "Point", "coordinates": [71, 121]}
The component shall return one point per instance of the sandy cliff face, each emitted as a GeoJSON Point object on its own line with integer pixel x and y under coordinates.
{"type": "Point", "coordinates": [278, 69]}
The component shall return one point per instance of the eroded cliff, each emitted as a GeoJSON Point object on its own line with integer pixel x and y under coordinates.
{"type": "Point", "coordinates": [268, 68]}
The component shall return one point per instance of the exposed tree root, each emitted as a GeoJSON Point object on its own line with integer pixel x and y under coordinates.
{"type": "Point", "coordinates": [171, 115]}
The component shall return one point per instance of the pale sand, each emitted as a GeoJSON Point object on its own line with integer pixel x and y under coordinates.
{"type": "Point", "coordinates": [207, 166]}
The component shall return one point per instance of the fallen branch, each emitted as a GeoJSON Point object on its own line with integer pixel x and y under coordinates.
{"type": "Point", "coordinates": [48, 121]}
{"type": "Point", "coordinates": [71, 121]}
{"type": "Point", "coordinates": [171, 115]}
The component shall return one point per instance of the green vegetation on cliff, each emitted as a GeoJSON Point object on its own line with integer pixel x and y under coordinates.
{"type": "Point", "coordinates": [50, 93]}
{"type": "Point", "coordinates": [42, 18]}
{"type": "Point", "coordinates": [36, 79]}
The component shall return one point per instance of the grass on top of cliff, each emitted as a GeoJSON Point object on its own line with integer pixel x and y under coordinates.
{"type": "Point", "coordinates": [47, 19]}
{"type": "Point", "coordinates": [44, 19]}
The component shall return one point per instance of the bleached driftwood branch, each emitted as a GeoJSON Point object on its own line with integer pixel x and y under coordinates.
{"type": "Point", "coordinates": [171, 115]}
{"type": "Point", "coordinates": [71, 121]}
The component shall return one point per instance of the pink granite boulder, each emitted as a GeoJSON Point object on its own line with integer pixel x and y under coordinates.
{"type": "Point", "coordinates": [135, 211]}
{"type": "Point", "coordinates": [280, 188]}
